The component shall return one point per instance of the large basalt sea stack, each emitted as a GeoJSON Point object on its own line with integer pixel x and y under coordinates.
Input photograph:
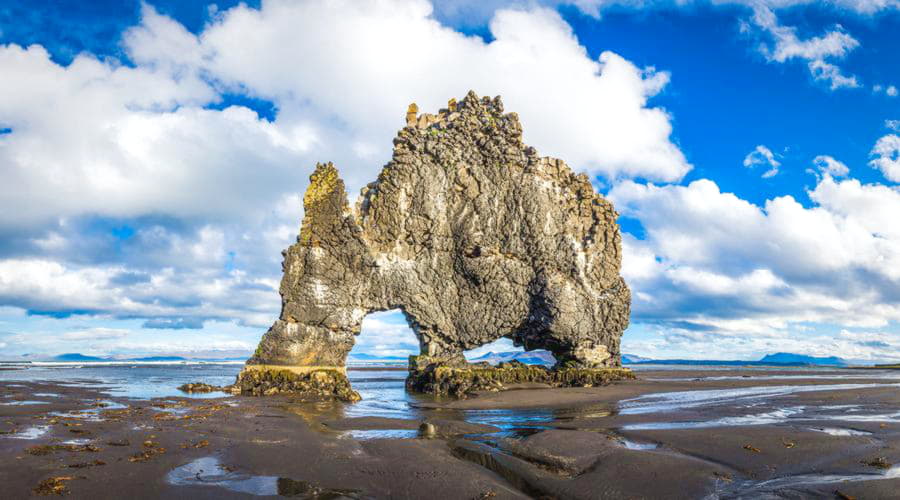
{"type": "Point", "coordinates": [474, 237]}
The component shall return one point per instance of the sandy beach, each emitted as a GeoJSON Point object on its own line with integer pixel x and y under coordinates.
{"type": "Point", "coordinates": [669, 434]}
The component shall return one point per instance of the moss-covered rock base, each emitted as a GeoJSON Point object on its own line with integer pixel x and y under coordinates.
{"type": "Point", "coordinates": [309, 383]}
{"type": "Point", "coordinates": [458, 380]}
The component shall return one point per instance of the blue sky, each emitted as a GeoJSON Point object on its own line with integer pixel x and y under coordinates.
{"type": "Point", "coordinates": [154, 155]}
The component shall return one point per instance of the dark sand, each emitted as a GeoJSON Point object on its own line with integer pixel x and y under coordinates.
{"type": "Point", "coordinates": [588, 444]}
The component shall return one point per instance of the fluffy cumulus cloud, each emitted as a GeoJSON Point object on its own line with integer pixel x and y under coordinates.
{"type": "Point", "coordinates": [612, 132]}
{"type": "Point", "coordinates": [886, 156]}
{"type": "Point", "coordinates": [763, 156]}
{"type": "Point", "coordinates": [716, 268]}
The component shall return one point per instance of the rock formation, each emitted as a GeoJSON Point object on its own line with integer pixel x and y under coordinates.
{"type": "Point", "coordinates": [468, 232]}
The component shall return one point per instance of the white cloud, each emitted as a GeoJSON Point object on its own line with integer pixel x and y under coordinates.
{"type": "Point", "coordinates": [828, 72]}
{"type": "Point", "coordinates": [48, 287]}
{"type": "Point", "coordinates": [714, 263]}
{"type": "Point", "coordinates": [95, 334]}
{"type": "Point", "coordinates": [386, 334]}
{"type": "Point", "coordinates": [828, 165]}
{"type": "Point", "coordinates": [594, 113]}
{"type": "Point", "coordinates": [834, 44]}
{"type": "Point", "coordinates": [98, 138]}
{"type": "Point", "coordinates": [856, 345]}
{"type": "Point", "coordinates": [886, 153]}
{"type": "Point", "coordinates": [893, 125]}
{"type": "Point", "coordinates": [761, 155]}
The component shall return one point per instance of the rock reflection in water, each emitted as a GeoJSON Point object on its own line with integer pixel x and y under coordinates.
{"type": "Point", "coordinates": [384, 395]}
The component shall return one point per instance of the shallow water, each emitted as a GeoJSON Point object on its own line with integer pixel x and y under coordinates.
{"type": "Point", "coordinates": [834, 431]}
{"type": "Point", "coordinates": [130, 380]}
{"type": "Point", "coordinates": [381, 434]}
{"type": "Point", "coordinates": [29, 432]}
{"type": "Point", "coordinates": [842, 374]}
{"type": "Point", "coordinates": [776, 416]}
{"type": "Point", "coordinates": [208, 471]}
{"type": "Point", "coordinates": [633, 445]}
{"type": "Point", "coordinates": [673, 401]}
{"type": "Point", "coordinates": [751, 489]}
{"type": "Point", "coordinates": [384, 395]}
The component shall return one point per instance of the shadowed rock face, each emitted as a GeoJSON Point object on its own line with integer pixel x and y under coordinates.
{"type": "Point", "coordinates": [467, 231]}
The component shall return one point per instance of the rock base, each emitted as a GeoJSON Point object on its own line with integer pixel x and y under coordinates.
{"type": "Point", "coordinates": [458, 380]}
{"type": "Point", "coordinates": [309, 383]}
{"type": "Point", "coordinates": [201, 387]}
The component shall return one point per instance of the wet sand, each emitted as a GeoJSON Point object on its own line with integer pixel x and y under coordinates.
{"type": "Point", "coordinates": [670, 434]}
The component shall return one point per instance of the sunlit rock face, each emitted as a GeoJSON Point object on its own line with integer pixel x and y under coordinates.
{"type": "Point", "coordinates": [470, 233]}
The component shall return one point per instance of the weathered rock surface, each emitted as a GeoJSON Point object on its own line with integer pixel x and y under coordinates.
{"type": "Point", "coordinates": [467, 231]}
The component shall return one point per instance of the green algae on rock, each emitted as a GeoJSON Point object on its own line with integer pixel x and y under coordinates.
{"type": "Point", "coordinates": [459, 380]}
{"type": "Point", "coordinates": [474, 237]}
{"type": "Point", "coordinates": [314, 383]}
{"type": "Point", "coordinates": [201, 387]}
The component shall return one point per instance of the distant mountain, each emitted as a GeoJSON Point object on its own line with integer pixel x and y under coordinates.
{"type": "Point", "coordinates": [786, 357]}
{"type": "Point", "coordinates": [633, 358]}
{"type": "Point", "coordinates": [158, 358]}
{"type": "Point", "coordinates": [528, 357]}
{"type": "Point", "coordinates": [75, 356]}
{"type": "Point", "coordinates": [82, 358]}
{"type": "Point", "coordinates": [778, 359]}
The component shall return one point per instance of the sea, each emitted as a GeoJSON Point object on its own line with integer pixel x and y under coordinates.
{"type": "Point", "coordinates": [382, 387]}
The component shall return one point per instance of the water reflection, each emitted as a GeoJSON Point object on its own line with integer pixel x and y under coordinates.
{"type": "Point", "coordinates": [384, 395]}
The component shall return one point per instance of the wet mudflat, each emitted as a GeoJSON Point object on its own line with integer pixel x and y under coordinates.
{"type": "Point", "coordinates": [737, 433]}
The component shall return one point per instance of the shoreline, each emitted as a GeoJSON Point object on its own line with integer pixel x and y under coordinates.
{"type": "Point", "coordinates": [567, 443]}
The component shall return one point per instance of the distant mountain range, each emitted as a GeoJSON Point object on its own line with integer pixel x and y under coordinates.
{"type": "Point", "coordinates": [777, 359]}
{"type": "Point", "coordinates": [538, 357]}
{"type": "Point", "coordinates": [529, 357]}
{"type": "Point", "coordinates": [75, 357]}
{"type": "Point", "coordinates": [786, 357]}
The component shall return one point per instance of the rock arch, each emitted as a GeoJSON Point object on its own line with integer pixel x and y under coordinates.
{"type": "Point", "coordinates": [467, 231]}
